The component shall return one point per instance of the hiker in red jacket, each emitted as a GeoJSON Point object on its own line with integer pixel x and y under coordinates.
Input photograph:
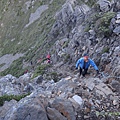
{"type": "Point", "coordinates": [48, 58]}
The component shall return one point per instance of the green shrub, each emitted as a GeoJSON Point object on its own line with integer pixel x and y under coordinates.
{"type": "Point", "coordinates": [90, 3]}
{"type": "Point", "coordinates": [40, 70]}
{"type": "Point", "coordinates": [103, 23]}
{"type": "Point", "coordinates": [10, 97]}
{"type": "Point", "coordinates": [105, 50]}
{"type": "Point", "coordinates": [66, 57]}
{"type": "Point", "coordinates": [54, 76]}
{"type": "Point", "coordinates": [15, 69]}
{"type": "Point", "coordinates": [65, 44]}
{"type": "Point", "coordinates": [1, 65]}
{"type": "Point", "coordinates": [87, 28]}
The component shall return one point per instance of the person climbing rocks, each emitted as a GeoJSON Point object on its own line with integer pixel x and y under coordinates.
{"type": "Point", "coordinates": [48, 58]}
{"type": "Point", "coordinates": [84, 64]}
{"type": "Point", "coordinates": [26, 71]}
{"type": "Point", "coordinates": [32, 65]}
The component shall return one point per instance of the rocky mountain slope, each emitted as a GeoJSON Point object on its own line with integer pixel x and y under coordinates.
{"type": "Point", "coordinates": [66, 30]}
{"type": "Point", "coordinates": [71, 98]}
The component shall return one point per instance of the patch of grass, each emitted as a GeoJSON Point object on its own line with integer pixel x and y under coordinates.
{"type": "Point", "coordinates": [110, 0]}
{"type": "Point", "coordinates": [54, 76]}
{"type": "Point", "coordinates": [10, 97]}
{"type": "Point", "coordinates": [15, 69]}
{"type": "Point", "coordinates": [1, 65]}
{"type": "Point", "coordinates": [40, 70]}
{"type": "Point", "coordinates": [87, 28]}
{"type": "Point", "coordinates": [90, 3]}
{"type": "Point", "coordinates": [66, 57]}
{"type": "Point", "coordinates": [105, 50]}
{"type": "Point", "coordinates": [103, 23]}
{"type": "Point", "coordinates": [65, 44]}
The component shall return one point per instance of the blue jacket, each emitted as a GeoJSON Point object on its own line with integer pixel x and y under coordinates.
{"type": "Point", "coordinates": [80, 63]}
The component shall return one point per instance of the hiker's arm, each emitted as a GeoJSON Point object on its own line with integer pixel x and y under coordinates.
{"type": "Point", "coordinates": [78, 62]}
{"type": "Point", "coordinates": [94, 65]}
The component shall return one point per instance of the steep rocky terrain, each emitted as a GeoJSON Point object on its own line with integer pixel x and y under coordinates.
{"type": "Point", "coordinates": [66, 30]}
{"type": "Point", "coordinates": [71, 98]}
{"type": "Point", "coordinates": [32, 29]}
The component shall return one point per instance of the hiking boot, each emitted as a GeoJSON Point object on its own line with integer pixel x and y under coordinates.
{"type": "Point", "coordinates": [79, 75]}
{"type": "Point", "coordinates": [82, 76]}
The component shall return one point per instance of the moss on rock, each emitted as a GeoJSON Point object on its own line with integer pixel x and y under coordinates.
{"type": "Point", "coordinates": [10, 97]}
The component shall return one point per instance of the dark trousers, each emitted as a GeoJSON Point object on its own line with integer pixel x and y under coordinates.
{"type": "Point", "coordinates": [83, 71]}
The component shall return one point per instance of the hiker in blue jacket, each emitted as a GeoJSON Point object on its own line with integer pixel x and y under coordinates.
{"type": "Point", "coordinates": [84, 64]}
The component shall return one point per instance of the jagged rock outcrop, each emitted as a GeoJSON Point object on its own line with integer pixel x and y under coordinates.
{"type": "Point", "coordinates": [96, 32]}
{"type": "Point", "coordinates": [30, 109]}
{"type": "Point", "coordinates": [71, 98]}
{"type": "Point", "coordinates": [105, 5]}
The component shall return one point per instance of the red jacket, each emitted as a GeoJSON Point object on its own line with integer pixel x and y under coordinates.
{"type": "Point", "coordinates": [48, 56]}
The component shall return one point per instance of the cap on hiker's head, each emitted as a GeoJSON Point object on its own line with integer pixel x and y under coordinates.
{"type": "Point", "coordinates": [85, 55]}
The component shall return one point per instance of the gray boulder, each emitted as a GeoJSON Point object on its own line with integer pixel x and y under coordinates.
{"type": "Point", "coordinates": [104, 5]}
{"type": "Point", "coordinates": [79, 100]}
{"type": "Point", "coordinates": [27, 109]}
{"type": "Point", "coordinates": [6, 107]}
{"type": "Point", "coordinates": [10, 85]}
{"type": "Point", "coordinates": [116, 5]}
{"type": "Point", "coordinates": [117, 30]}
{"type": "Point", "coordinates": [9, 88]}
{"type": "Point", "coordinates": [105, 59]}
{"type": "Point", "coordinates": [118, 15]}
{"type": "Point", "coordinates": [115, 84]}
{"type": "Point", "coordinates": [64, 107]}
{"type": "Point", "coordinates": [116, 71]}
{"type": "Point", "coordinates": [54, 114]}
{"type": "Point", "coordinates": [39, 79]}
{"type": "Point", "coordinates": [8, 78]}
{"type": "Point", "coordinates": [28, 88]}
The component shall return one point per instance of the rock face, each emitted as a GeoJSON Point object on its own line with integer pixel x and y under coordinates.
{"type": "Point", "coordinates": [6, 107]}
{"type": "Point", "coordinates": [78, 99]}
{"type": "Point", "coordinates": [53, 114]}
{"type": "Point", "coordinates": [104, 5]}
{"type": "Point", "coordinates": [32, 109]}
{"type": "Point", "coordinates": [64, 107]}
{"type": "Point", "coordinates": [71, 98]}
{"type": "Point", "coordinates": [93, 34]}
{"type": "Point", "coordinates": [78, 28]}
{"type": "Point", "coordinates": [11, 85]}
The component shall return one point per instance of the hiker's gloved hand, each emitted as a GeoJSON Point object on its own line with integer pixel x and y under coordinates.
{"type": "Point", "coordinates": [97, 72]}
{"type": "Point", "coordinates": [76, 68]}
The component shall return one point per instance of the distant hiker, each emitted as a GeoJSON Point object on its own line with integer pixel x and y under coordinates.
{"type": "Point", "coordinates": [48, 58]}
{"type": "Point", "coordinates": [84, 64]}
{"type": "Point", "coordinates": [26, 71]}
{"type": "Point", "coordinates": [32, 65]}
